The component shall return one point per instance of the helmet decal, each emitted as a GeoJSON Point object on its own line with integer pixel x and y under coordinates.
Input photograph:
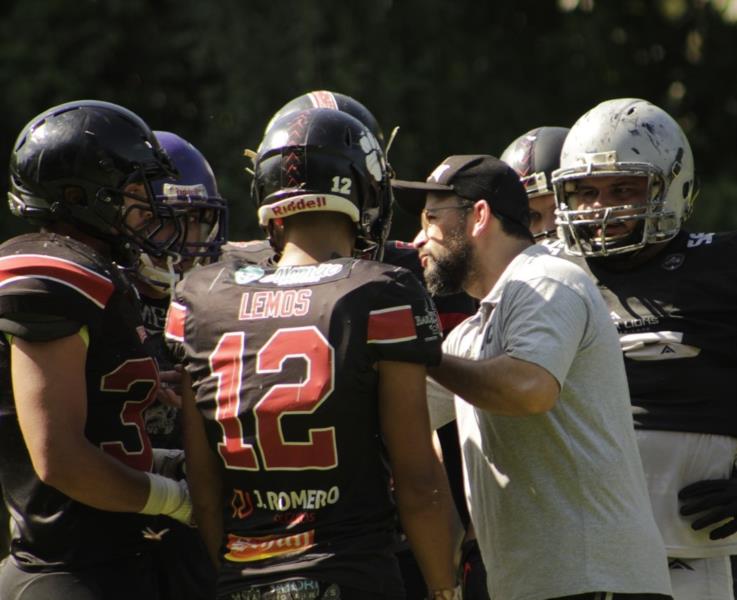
{"type": "Point", "coordinates": [324, 160]}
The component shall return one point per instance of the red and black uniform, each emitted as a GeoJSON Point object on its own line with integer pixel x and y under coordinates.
{"type": "Point", "coordinates": [51, 287]}
{"type": "Point", "coordinates": [283, 361]}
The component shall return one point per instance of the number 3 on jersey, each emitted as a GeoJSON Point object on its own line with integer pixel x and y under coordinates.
{"type": "Point", "coordinates": [281, 400]}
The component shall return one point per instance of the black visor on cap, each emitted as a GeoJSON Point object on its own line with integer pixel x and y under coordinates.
{"type": "Point", "coordinates": [410, 195]}
{"type": "Point", "coordinates": [474, 177]}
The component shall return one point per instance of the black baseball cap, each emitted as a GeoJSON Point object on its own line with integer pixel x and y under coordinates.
{"type": "Point", "coordinates": [474, 177]}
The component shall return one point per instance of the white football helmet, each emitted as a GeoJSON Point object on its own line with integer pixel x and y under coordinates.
{"type": "Point", "coordinates": [624, 137]}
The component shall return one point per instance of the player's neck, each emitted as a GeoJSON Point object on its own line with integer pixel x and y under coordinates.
{"type": "Point", "coordinates": [296, 255]}
{"type": "Point", "coordinates": [311, 246]}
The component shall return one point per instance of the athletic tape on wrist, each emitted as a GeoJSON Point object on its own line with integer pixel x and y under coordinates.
{"type": "Point", "coordinates": [446, 594]}
{"type": "Point", "coordinates": [167, 497]}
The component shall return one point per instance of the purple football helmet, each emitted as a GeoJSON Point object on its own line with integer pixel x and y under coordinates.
{"type": "Point", "coordinates": [197, 209]}
{"type": "Point", "coordinates": [194, 196]}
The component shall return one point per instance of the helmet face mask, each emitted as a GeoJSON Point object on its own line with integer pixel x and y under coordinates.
{"type": "Point", "coordinates": [624, 138]}
{"type": "Point", "coordinates": [196, 210]}
{"type": "Point", "coordinates": [136, 219]}
{"type": "Point", "coordinates": [194, 198]}
{"type": "Point", "coordinates": [74, 163]}
{"type": "Point", "coordinates": [324, 160]}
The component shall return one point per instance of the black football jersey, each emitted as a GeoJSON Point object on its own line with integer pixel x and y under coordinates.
{"type": "Point", "coordinates": [255, 252]}
{"type": "Point", "coordinates": [283, 361]}
{"type": "Point", "coordinates": [677, 320]}
{"type": "Point", "coordinates": [162, 420]}
{"type": "Point", "coordinates": [48, 278]}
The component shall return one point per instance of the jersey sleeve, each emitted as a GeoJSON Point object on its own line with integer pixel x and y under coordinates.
{"type": "Point", "coordinates": [402, 322]}
{"type": "Point", "coordinates": [452, 309]}
{"type": "Point", "coordinates": [44, 297]}
{"type": "Point", "coordinates": [174, 327]}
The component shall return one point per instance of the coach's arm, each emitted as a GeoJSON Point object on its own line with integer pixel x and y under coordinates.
{"type": "Point", "coordinates": [502, 385]}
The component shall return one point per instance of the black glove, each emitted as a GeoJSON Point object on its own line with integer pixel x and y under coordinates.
{"type": "Point", "coordinates": [717, 499]}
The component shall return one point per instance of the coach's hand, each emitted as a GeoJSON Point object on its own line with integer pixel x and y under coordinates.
{"type": "Point", "coordinates": [717, 500]}
{"type": "Point", "coordinates": [169, 463]}
{"type": "Point", "coordinates": [170, 390]}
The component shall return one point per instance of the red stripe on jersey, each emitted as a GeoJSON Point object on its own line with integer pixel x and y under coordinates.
{"type": "Point", "coordinates": [449, 320]}
{"type": "Point", "coordinates": [388, 325]}
{"type": "Point", "coordinates": [174, 329]}
{"type": "Point", "coordinates": [87, 282]}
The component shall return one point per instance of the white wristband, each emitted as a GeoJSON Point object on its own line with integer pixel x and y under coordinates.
{"type": "Point", "coordinates": [455, 593]}
{"type": "Point", "coordinates": [168, 497]}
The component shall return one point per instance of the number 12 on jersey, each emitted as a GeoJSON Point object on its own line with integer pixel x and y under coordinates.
{"type": "Point", "coordinates": [279, 401]}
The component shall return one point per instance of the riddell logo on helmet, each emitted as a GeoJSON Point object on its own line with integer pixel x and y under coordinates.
{"type": "Point", "coordinates": [282, 210]}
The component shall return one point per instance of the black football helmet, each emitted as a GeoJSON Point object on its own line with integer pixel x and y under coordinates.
{"type": "Point", "coordinates": [336, 101]}
{"type": "Point", "coordinates": [535, 155]}
{"type": "Point", "coordinates": [325, 160]}
{"type": "Point", "coordinates": [92, 149]}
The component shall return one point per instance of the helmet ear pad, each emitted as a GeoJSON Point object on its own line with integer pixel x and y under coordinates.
{"type": "Point", "coordinates": [324, 160]}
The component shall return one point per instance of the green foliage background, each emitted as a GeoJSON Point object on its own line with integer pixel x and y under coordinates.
{"type": "Point", "coordinates": [457, 76]}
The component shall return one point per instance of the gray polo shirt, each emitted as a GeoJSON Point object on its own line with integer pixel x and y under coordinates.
{"type": "Point", "coordinates": [558, 500]}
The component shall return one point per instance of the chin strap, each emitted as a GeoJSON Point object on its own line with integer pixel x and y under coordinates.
{"type": "Point", "coordinates": [550, 233]}
{"type": "Point", "coordinates": [160, 277]}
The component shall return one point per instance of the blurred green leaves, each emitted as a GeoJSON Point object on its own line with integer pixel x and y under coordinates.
{"type": "Point", "coordinates": [457, 77]}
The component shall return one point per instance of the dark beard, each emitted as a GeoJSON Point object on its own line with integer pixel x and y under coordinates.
{"type": "Point", "coordinates": [446, 275]}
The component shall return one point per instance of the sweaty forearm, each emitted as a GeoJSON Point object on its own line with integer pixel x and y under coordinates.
{"type": "Point", "coordinates": [95, 478]}
{"type": "Point", "coordinates": [433, 529]}
{"type": "Point", "coordinates": [502, 385]}
{"type": "Point", "coordinates": [209, 522]}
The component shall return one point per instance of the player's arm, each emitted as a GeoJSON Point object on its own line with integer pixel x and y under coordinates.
{"type": "Point", "coordinates": [49, 387]}
{"type": "Point", "coordinates": [203, 473]}
{"type": "Point", "coordinates": [422, 494]}
{"type": "Point", "coordinates": [503, 385]}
